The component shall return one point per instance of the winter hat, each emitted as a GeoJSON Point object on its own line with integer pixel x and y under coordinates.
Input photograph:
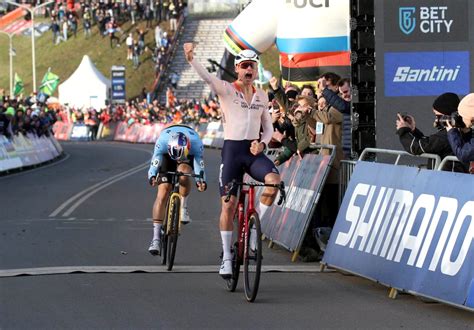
{"type": "Point", "coordinates": [466, 106]}
{"type": "Point", "coordinates": [446, 103]}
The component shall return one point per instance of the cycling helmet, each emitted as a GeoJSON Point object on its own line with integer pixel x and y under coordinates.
{"type": "Point", "coordinates": [179, 146]}
{"type": "Point", "coordinates": [246, 55]}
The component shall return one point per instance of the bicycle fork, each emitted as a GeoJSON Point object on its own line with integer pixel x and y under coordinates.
{"type": "Point", "coordinates": [172, 198]}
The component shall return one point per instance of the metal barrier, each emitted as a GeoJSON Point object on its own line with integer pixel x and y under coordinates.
{"type": "Point", "coordinates": [345, 173]}
{"type": "Point", "coordinates": [347, 166]}
{"type": "Point", "coordinates": [273, 152]}
{"type": "Point", "coordinates": [399, 154]}
{"type": "Point", "coordinates": [445, 160]}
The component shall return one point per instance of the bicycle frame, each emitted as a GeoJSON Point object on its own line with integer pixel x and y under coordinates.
{"type": "Point", "coordinates": [243, 216]}
{"type": "Point", "coordinates": [175, 194]}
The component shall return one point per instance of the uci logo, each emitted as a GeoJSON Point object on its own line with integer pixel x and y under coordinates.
{"type": "Point", "coordinates": [406, 19]}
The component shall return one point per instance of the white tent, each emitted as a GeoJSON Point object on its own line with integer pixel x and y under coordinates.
{"type": "Point", "coordinates": [86, 87]}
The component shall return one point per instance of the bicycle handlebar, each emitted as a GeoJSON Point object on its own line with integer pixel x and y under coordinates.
{"type": "Point", "coordinates": [177, 173]}
{"type": "Point", "coordinates": [280, 186]}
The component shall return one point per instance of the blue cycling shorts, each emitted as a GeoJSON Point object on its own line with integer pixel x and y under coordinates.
{"type": "Point", "coordinates": [237, 160]}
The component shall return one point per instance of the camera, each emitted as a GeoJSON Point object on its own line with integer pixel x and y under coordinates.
{"type": "Point", "coordinates": [454, 119]}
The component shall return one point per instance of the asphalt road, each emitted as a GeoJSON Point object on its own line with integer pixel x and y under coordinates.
{"type": "Point", "coordinates": [81, 228]}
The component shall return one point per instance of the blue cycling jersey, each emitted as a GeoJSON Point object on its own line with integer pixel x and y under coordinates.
{"type": "Point", "coordinates": [161, 148]}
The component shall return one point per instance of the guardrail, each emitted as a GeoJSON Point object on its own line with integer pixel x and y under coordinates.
{"type": "Point", "coordinates": [445, 160]}
{"type": "Point", "coordinates": [399, 154]}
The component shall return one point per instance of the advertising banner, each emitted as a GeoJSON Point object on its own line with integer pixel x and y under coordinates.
{"type": "Point", "coordinates": [117, 84]}
{"type": "Point", "coordinates": [80, 132]}
{"type": "Point", "coordinates": [121, 131]}
{"type": "Point", "coordinates": [423, 49]}
{"type": "Point", "coordinates": [426, 21]}
{"type": "Point", "coordinates": [410, 229]}
{"type": "Point", "coordinates": [426, 73]}
{"type": "Point", "coordinates": [286, 225]}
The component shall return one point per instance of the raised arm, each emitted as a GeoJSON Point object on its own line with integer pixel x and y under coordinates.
{"type": "Point", "coordinates": [217, 85]}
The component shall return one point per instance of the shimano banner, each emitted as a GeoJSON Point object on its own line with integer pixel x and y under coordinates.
{"type": "Point", "coordinates": [410, 229]}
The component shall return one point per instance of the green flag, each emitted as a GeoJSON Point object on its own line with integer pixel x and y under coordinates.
{"type": "Point", "coordinates": [49, 83]}
{"type": "Point", "coordinates": [19, 87]}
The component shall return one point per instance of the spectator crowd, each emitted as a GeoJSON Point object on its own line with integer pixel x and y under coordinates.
{"type": "Point", "coordinates": [107, 17]}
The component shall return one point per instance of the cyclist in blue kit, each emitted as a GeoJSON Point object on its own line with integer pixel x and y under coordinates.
{"type": "Point", "coordinates": [244, 112]}
{"type": "Point", "coordinates": [178, 148]}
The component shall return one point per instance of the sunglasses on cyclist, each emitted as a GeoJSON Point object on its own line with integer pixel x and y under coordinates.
{"type": "Point", "coordinates": [245, 65]}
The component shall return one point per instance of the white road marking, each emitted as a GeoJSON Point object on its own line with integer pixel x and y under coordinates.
{"type": "Point", "coordinates": [96, 190]}
{"type": "Point", "coordinates": [151, 269]}
{"type": "Point", "coordinates": [85, 191]}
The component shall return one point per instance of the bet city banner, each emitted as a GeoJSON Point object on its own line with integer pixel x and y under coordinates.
{"type": "Point", "coordinates": [313, 36]}
{"type": "Point", "coordinates": [408, 228]}
{"type": "Point", "coordinates": [423, 49]}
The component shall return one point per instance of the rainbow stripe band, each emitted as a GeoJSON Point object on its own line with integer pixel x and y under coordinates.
{"type": "Point", "coordinates": [235, 41]}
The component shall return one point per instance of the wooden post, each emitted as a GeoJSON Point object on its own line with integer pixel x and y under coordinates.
{"type": "Point", "coordinates": [393, 293]}
{"type": "Point", "coordinates": [295, 255]}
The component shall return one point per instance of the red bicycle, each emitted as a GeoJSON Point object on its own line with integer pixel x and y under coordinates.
{"type": "Point", "coordinates": [242, 254]}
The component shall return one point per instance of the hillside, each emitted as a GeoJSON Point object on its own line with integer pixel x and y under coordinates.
{"type": "Point", "coordinates": [64, 58]}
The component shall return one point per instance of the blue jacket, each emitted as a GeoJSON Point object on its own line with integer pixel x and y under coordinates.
{"type": "Point", "coordinates": [462, 144]}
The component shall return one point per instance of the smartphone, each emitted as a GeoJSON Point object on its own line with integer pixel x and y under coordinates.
{"type": "Point", "coordinates": [276, 107]}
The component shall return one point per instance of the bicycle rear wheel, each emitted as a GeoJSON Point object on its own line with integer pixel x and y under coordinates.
{"type": "Point", "coordinates": [232, 282]}
{"type": "Point", "coordinates": [252, 259]}
{"type": "Point", "coordinates": [173, 223]}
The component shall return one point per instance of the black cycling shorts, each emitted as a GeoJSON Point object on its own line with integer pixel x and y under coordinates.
{"type": "Point", "coordinates": [170, 165]}
{"type": "Point", "coordinates": [238, 160]}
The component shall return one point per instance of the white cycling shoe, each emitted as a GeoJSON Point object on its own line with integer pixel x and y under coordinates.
{"type": "Point", "coordinates": [185, 219]}
{"type": "Point", "coordinates": [154, 248]}
{"type": "Point", "coordinates": [226, 269]}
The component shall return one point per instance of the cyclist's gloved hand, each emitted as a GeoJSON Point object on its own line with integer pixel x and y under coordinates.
{"type": "Point", "coordinates": [201, 185]}
{"type": "Point", "coordinates": [152, 181]}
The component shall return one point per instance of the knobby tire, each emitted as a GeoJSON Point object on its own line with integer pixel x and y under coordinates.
{"type": "Point", "coordinates": [173, 222]}
{"type": "Point", "coordinates": [164, 237]}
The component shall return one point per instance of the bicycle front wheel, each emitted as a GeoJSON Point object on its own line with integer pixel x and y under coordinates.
{"type": "Point", "coordinates": [164, 237]}
{"type": "Point", "coordinates": [173, 223]}
{"type": "Point", "coordinates": [252, 258]}
{"type": "Point", "coordinates": [232, 282]}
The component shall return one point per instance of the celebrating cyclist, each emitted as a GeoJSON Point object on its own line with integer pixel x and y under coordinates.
{"type": "Point", "coordinates": [244, 112]}
{"type": "Point", "coordinates": [178, 148]}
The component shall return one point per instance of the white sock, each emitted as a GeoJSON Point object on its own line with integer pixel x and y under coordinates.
{"type": "Point", "coordinates": [262, 208]}
{"type": "Point", "coordinates": [156, 230]}
{"type": "Point", "coordinates": [184, 201]}
{"type": "Point", "coordinates": [226, 237]}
